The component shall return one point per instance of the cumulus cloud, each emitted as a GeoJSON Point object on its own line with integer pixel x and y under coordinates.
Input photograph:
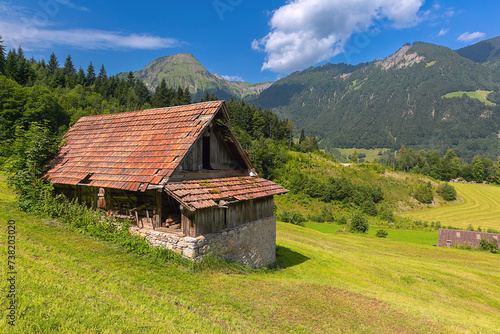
{"type": "Point", "coordinates": [34, 31]}
{"type": "Point", "coordinates": [305, 32]}
{"type": "Point", "coordinates": [468, 37]}
{"type": "Point", "coordinates": [443, 32]}
{"type": "Point", "coordinates": [232, 77]}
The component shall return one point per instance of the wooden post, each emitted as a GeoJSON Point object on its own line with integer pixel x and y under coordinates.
{"type": "Point", "coordinates": [159, 204]}
{"type": "Point", "coordinates": [147, 217]}
{"type": "Point", "coordinates": [137, 219]}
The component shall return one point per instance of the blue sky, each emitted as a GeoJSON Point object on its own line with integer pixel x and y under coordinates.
{"type": "Point", "coordinates": [250, 40]}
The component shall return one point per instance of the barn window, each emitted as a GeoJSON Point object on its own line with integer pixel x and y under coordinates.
{"type": "Point", "coordinates": [206, 153]}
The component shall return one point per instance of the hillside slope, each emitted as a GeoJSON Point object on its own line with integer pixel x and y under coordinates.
{"type": "Point", "coordinates": [184, 70]}
{"type": "Point", "coordinates": [395, 101]}
{"type": "Point", "coordinates": [337, 283]}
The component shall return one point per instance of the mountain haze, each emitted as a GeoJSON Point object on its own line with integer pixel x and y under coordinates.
{"type": "Point", "coordinates": [184, 70]}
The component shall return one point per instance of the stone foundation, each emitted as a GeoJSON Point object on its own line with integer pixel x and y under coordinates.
{"type": "Point", "coordinates": [253, 243]}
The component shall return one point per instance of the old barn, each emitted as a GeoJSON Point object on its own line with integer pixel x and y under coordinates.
{"type": "Point", "coordinates": [179, 173]}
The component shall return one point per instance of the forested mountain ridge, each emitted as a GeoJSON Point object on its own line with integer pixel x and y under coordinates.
{"type": "Point", "coordinates": [185, 71]}
{"type": "Point", "coordinates": [482, 52]}
{"type": "Point", "coordinates": [424, 96]}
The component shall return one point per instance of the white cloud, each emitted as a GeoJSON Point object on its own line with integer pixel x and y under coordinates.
{"type": "Point", "coordinates": [443, 32]}
{"type": "Point", "coordinates": [232, 77]}
{"type": "Point", "coordinates": [305, 32]}
{"type": "Point", "coordinates": [468, 37]}
{"type": "Point", "coordinates": [33, 30]}
{"type": "Point", "coordinates": [72, 5]}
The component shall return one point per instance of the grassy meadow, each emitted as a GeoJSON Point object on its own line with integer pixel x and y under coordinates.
{"type": "Point", "coordinates": [479, 206]}
{"type": "Point", "coordinates": [371, 154]}
{"type": "Point", "coordinates": [68, 282]}
{"type": "Point", "coordinates": [418, 237]}
{"type": "Point", "coordinates": [481, 95]}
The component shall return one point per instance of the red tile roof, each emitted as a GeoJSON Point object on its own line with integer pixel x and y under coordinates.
{"type": "Point", "coordinates": [229, 186]}
{"type": "Point", "coordinates": [130, 150]}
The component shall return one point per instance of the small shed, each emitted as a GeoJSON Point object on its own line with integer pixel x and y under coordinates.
{"type": "Point", "coordinates": [179, 173]}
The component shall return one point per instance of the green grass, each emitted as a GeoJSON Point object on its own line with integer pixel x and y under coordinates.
{"type": "Point", "coordinates": [480, 207]}
{"type": "Point", "coordinates": [68, 282]}
{"type": "Point", "coordinates": [418, 237]}
{"type": "Point", "coordinates": [481, 95]}
{"type": "Point", "coordinates": [371, 154]}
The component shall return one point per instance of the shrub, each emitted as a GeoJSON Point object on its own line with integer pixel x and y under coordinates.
{"type": "Point", "coordinates": [292, 217]}
{"type": "Point", "coordinates": [342, 220]}
{"type": "Point", "coordinates": [381, 233]}
{"type": "Point", "coordinates": [386, 213]}
{"type": "Point", "coordinates": [447, 192]}
{"type": "Point", "coordinates": [490, 246]}
{"type": "Point", "coordinates": [369, 207]}
{"type": "Point", "coordinates": [423, 193]}
{"type": "Point", "coordinates": [326, 215]}
{"type": "Point", "coordinates": [359, 224]}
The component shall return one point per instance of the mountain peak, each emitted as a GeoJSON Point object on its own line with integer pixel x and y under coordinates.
{"type": "Point", "coordinates": [184, 70]}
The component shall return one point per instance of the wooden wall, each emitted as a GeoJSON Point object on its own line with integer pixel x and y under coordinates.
{"type": "Point", "coordinates": [219, 155]}
{"type": "Point", "coordinates": [212, 220]}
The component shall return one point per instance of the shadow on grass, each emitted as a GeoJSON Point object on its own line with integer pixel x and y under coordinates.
{"type": "Point", "coordinates": [285, 257]}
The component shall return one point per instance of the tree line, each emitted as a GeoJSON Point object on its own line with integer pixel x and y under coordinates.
{"type": "Point", "coordinates": [447, 167]}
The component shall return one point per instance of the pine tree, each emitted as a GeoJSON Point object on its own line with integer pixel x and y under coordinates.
{"type": "Point", "coordinates": [23, 68]}
{"type": "Point", "coordinates": [101, 82]}
{"type": "Point", "coordinates": [53, 64]}
{"type": "Point", "coordinates": [11, 64]}
{"type": "Point", "coordinates": [69, 72]}
{"type": "Point", "coordinates": [80, 77]}
{"type": "Point", "coordinates": [90, 78]}
{"type": "Point", "coordinates": [302, 136]}
{"type": "Point", "coordinates": [186, 97]}
{"type": "Point", "coordinates": [130, 79]}
{"type": "Point", "coordinates": [69, 68]}
{"type": "Point", "coordinates": [162, 96]}
{"type": "Point", "coordinates": [102, 74]}
{"type": "Point", "coordinates": [2, 56]}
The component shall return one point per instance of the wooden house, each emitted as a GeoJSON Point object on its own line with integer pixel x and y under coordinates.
{"type": "Point", "coordinates": [179, 173]}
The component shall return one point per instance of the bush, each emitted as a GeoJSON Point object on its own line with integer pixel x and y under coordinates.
{"type": "Point", "coordinates": [292, 217]}
{"type": "Point", "coordinates": [447, 192]}
{"type": "Point", "coordinates": [326, 215]}
{"type": "Point", "coordinates": [386, 213]}
{"type": "Point", "coordinates": [490, 246]}
{"type": "Point", "coordinates": [359, 224]}
{"type": "Point", "coordinates": [423, 193]}
{"type": "Point", "coordinates": [342, 220]}
{"type": "Point", "coordinates": [381, 233]}
{"type": "Point", "coordinates": [369, 207]}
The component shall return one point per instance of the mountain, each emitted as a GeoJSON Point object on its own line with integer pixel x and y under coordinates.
{"type": "Point", "coordinates": [184, 70]}
{"type": "Point", "coordinates": [482, 52]}
{"type": "Point", "coordinates": [423, 96]}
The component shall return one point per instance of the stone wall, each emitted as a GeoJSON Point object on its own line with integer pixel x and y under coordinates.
{"type": "Point", "coordinates": [253, 243]}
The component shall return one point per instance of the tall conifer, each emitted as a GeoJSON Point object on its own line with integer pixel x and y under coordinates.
{"type": "Point", "coordinates": [2, 56]}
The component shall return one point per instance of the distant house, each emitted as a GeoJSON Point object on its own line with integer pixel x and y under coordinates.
{"type": "Point", "coordinates": [449, 238]}
{"type": "Point", "coordinates": [180, 173]}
